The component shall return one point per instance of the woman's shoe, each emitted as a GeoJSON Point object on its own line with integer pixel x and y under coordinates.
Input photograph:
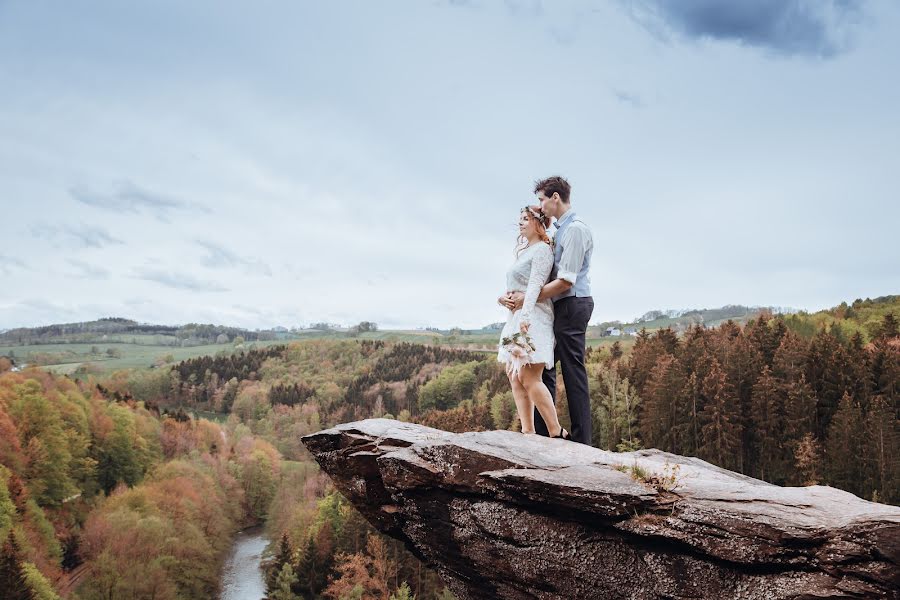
{"type": "Point", "coordinates": [562, 434]}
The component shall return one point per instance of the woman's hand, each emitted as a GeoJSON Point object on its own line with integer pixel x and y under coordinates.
{"type": "Point", "coordinates": [524, 325]}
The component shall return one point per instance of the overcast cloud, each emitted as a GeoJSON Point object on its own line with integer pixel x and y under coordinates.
{"type": "Point", "coordinates": [281, 163]}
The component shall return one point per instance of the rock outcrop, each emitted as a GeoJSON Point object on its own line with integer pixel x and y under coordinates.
{"type": "Point", "coordinates": [504, 515]}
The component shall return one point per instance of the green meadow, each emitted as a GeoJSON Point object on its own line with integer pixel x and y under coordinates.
{"type": "Point", "coordinates": [66, 358]}
{"type": "Point", "coordinates": [140, 351]}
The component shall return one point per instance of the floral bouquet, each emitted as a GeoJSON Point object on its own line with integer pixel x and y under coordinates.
{"type": "Point", "coordinates": [520, 348]}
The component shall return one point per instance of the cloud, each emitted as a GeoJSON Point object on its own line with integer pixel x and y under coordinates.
{"type": "Point", "coordinates": [9, 263]}
{"type": "Point", "coordinates": [128, 198]}
{"type": "Point", "coordinates": [86, 236]}
{"type": "Point", "coordinates": [218, 257]}
{"type": "Point", "coordinates": [628, 98]}
{"type": "Point", "coordinates": [787, 27]}
{"type": "Point", "coordinates": [89, 271]}
{"type": "Point", "coordinates": [181, 281]}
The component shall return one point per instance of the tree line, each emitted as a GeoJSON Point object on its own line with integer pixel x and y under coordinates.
{"type": "Point", "coordinates": [764, 401]}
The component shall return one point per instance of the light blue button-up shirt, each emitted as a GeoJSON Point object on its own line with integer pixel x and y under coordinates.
{"type": "Point", "coordinates": [573, 246]}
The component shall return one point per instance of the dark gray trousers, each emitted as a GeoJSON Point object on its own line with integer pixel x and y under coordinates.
{"type": "Point", "coordinates": [570, 321]}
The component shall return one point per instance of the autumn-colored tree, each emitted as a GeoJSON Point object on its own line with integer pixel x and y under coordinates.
{"type": "Point", "coordinates": [371, 570]}
{"type": "Point", "coordinates": [789, 361]}
{"type": "Point", "coordinates": [466, 417]}
{"type": "Point", "coordinates": [645, 354]}
{"type": "Point", "coordinates": [44, 440]}
{"type": "Point", "coordinates": [742, 363]}
{"type": "Point", "coordinates": [659, 412]}
{"type": "Point", "coordinates": [690, 407]}
{"type": "Point", "coordinates": [123, 456]}
{"type": "Point", "coordinates": [807, 459]}
{"type": "Point", "coordinates": [765, 336]}
{"type": "Point", "coordinates": [258, 468]}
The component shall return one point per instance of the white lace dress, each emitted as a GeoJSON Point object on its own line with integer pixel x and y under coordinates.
{"type": "Point", "coordinates": [529, 274]}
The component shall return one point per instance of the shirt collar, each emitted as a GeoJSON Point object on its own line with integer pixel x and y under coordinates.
{"type": "Point", "coordinates": [565, 218]}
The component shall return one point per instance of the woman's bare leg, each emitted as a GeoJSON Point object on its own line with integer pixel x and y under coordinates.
{"type": "Point", "coordinates": [523, 404]}
{"type": "Point", "coordinates": [539, 396]}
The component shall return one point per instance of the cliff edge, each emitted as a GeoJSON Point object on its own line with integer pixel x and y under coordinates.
{"type": "Point", "coordinates": [504, 515]}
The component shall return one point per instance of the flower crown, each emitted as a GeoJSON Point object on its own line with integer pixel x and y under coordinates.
{"type": "Point", "coordinates": [539, 215]}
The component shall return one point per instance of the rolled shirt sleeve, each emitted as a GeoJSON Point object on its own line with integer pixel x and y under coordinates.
{"type": "Point", "coordinates": [575, 243]}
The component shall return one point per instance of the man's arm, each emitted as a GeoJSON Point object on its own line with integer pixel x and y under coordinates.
{"type": "Point", "coordinates": [514, 300]}
{"type": "Point", "coordinates": [554, 288]}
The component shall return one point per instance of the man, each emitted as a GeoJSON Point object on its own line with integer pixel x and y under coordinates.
{"type": "Point", "coordinates": [570, 290]}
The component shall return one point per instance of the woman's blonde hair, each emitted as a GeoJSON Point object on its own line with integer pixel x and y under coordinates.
{"type": "Point", "coordinates": [541, 223]}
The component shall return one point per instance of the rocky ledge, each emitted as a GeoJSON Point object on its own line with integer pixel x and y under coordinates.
{"type": "Point", "coordinates": [504, 515]}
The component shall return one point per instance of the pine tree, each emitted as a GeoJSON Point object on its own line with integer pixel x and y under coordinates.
{"type": "Point", "coordinates": [885, 368]}
{"type": "Point", "coordinates": [767, 420]}
{"type": "Point", "coordinates": [309, 573]}
{"type": "Point", "coordinates": [882, 451]}
{"type": "Point", "coordinates": [765, 337]}
{"type": "Point", "coordinates": [283, 557]}
{"type": "Point", "coordinates": [888, 329]}
{"type": "Point", "coordinates": [844, 445]}
{"type": "Point", "coordinates": [828, 375]}
{"type": "Point", "coordinates": [800, 409]}
{"type": "Point", "coordinates": [283, 584]}
{"type": "Point", "coordinates": [859, 371]}
{"type": "Point", "coordinates": [720, 417]}
{"type": "Point", "coordinates": [790, 358]}
{"type": "Point", "coordinates": [614, 407]}
{"type": "Point", "coordinates": [691, 407]}
{"type": "Point", "coordinates": [742, 365]}
{"type": "Point", "coordinates": [661, 397]}
{"type": "Point", "coordinates": [13, 583]}
{"type": "Point", "coordinates": [403, 593]}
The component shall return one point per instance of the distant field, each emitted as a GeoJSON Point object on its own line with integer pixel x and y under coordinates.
{"type": "Point", "coordinates": [71, 356]}
{"type": "Point", "coordinates": [65, 358]}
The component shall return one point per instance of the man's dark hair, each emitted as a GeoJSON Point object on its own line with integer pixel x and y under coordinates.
{"type": "Point", "coordinates": [554, 184]}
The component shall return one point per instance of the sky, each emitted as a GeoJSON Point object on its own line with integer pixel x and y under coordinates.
{"type": "Point", "coordinates": [281, 163]}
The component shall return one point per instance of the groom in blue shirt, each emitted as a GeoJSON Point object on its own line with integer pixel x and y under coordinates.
{"type": "Point", "coordinates": [569, 288]}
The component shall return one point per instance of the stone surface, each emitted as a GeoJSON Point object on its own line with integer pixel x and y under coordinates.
{"type": "Point", "coordinates": [504, 515]}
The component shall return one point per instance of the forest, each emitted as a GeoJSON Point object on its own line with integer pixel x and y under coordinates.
{"type": "Point", "coordinates": [104, 480]}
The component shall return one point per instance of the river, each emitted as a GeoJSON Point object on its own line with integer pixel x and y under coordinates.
{"type": "Point", "coordinates": [242, 577]}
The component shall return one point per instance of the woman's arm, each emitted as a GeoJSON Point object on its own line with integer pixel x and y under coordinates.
{"type": "Point", "coordinates": [541, 265]}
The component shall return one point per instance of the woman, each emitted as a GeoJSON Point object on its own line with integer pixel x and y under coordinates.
{"type": "Point", "coordinates": [528, 274]}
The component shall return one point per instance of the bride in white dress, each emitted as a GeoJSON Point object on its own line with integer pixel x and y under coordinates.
{"type": "Point", "coordinates": [528, 274]}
